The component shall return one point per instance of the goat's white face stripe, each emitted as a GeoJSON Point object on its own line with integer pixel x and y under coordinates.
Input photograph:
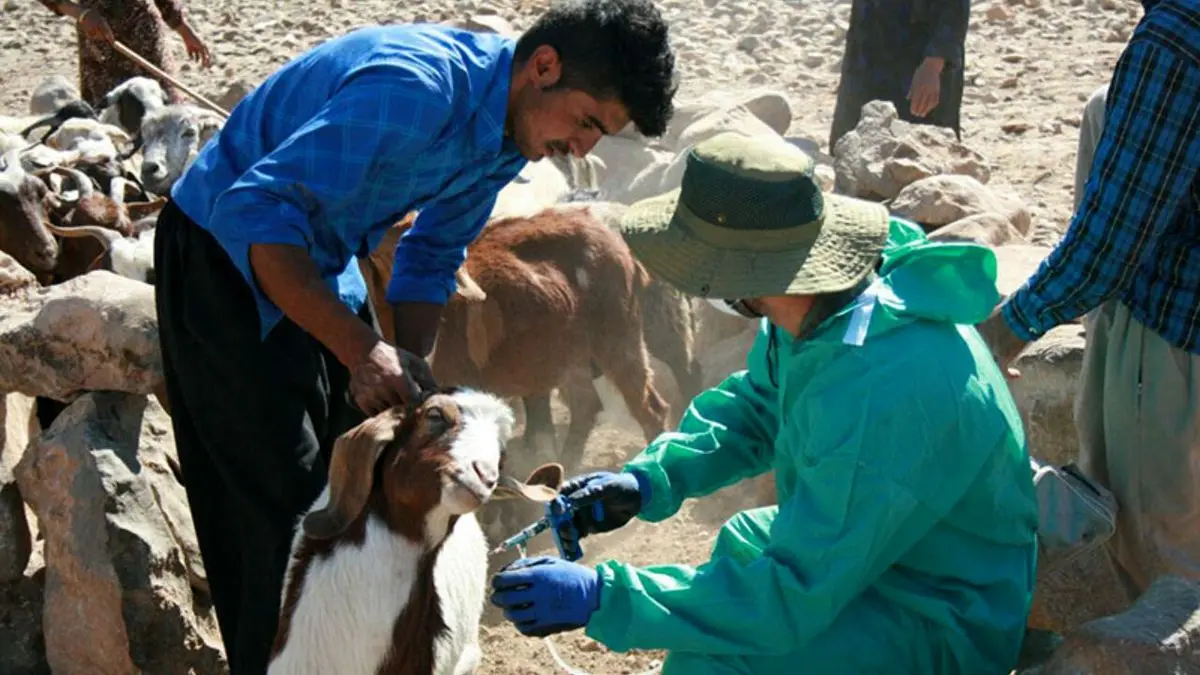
{"type": "Point", "coordinates": [487, 423]}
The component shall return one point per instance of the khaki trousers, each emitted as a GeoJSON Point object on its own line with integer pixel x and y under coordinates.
{"type": "Point", "coordinates": [1138, 417]}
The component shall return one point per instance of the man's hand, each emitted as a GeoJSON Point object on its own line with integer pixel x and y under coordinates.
{"type": "Point", "coordinates": [196, 49]}
{"type": "Point", "coordinates": [926, 89]}
{"type": "Point", "coordinates": [545, 595]}
{"type": "Point", "coordinates": [1001, 339]}
{"type": "Point", "coordinates": [604, 500]}
{"type": "Point", "coordinates": [95, 27]}
{"type": "Point", "coordinates": [380, 374]}
{"type": "Point", "coordinates": [387, 376]}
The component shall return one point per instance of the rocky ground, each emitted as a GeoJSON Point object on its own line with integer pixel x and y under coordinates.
{"type": "Point", "coordinates": [1031, 64]}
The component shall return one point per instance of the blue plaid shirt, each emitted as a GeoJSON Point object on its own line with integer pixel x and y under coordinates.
{"type": "Point", "coordinates": [1136, 234]}
{"type": "Point", "coordinates": [341, 142]}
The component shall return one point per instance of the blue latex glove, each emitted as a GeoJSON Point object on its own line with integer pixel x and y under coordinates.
{"type": "Point", "coordinates": [546, 595]}
{"type": "Point", "coordinates": [605, 500]}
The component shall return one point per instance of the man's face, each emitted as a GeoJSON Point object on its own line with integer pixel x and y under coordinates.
{"type": "Point", "coordinates": [547, 122]}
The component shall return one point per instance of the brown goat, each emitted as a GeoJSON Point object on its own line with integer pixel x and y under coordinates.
{"type": "Point", "coordinates": [23, 205]}
{"type": "Point", "coordinates": [388, 572]}
{"type": "Point", "coordinates": [529, 269]}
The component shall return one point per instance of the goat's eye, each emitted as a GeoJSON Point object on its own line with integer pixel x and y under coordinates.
{"type": "Point", "coordinates": [189, 132]}
{"type": "Point", "coordinates": [436, 417]}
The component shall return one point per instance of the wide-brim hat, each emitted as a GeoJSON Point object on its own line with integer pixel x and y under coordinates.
{"type": "Point", "coordinates": [749, 220]}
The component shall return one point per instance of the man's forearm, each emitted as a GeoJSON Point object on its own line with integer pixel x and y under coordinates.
{"type": "Point", "coordinates": [289, 277]}
{"type": "Point", "coordinates": [415, 326]}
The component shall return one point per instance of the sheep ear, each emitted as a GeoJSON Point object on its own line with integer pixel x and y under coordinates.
{"type": "Point", "coordinates": [351, 470]}
{"type": "Point", "coordinates": [542, 485]}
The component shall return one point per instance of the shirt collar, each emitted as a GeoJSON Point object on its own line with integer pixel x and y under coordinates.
{"type": "Point", "coordinates": [490, 117]}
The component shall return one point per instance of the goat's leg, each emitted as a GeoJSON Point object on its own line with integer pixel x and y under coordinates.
{"type": "Point", "coordinates": [585, 405]}
{"type": "Point", "coordinates": [627, 365]}
{"type": "Point", "coordinates": [540, 440]}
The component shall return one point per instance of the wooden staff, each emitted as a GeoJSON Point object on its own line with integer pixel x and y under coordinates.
{"type": "Point", "coordinates": [136, 58]}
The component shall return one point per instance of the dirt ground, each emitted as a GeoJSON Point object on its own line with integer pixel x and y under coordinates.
{"type": "Point", "coordinates": [1031, 65]}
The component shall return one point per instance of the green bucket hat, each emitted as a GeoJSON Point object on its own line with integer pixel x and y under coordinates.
{"type": "Point", "coordinates": [749, 220]}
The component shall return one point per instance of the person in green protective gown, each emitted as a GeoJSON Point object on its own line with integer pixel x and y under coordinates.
{"type": "Point", "coordinates": [904, 538]}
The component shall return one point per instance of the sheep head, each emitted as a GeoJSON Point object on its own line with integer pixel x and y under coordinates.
{"type": "Point", "coordinates": [23, 223]}
{"type": "Point", "coordinates": [127, 103]}
{"type": "Point", "coordinates": [439, 457]}
{"type": "Point", "coordinates": [171, 138]}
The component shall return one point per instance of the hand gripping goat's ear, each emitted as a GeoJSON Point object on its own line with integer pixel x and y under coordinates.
{"type": "Point", "coordinates": [541, 486]}
{"type": "Point", "coordinates": [351, 470]}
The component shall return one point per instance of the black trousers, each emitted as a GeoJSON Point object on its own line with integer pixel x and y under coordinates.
{"type": "Point", "coordinates": [254, 424]}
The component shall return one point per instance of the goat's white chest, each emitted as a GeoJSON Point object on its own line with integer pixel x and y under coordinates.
{"type": "Point", "coordinates": [349, 603]}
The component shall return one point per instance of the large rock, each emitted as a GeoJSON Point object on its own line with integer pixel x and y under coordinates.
{"type": "Point", "coordinates": [14, 277]}
{"type": "Point", "coordinates": [770, 107]}
{"type": "Point", "coordinates": [986, 229]}
{"type": "Point", "coordinates": [17, 425]}
{"type": "Point", "coordinates": [944, 199]}
{"type": "Point", "coordinates": [883, 154]}
{"type": "Point", "coordinates": [119, 547]}
{"type": "Point", "coordinates": [22, 648]}
{"type": "Point", "coordinates": [1159, 634]}
{"type": "Point", "coordinates": [95, 332]}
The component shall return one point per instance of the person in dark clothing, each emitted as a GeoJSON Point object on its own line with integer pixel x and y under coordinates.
{"type": "Point", "coordinates": [268, 350]}
{"type": "Point", "coordinates": [140, 25]}
{"type": "Point", "coordinates": [908, 52]}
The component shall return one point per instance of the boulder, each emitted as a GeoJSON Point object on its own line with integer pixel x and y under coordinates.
{"type": "Point", "coordinates": [17, 426]}
{"type": "Point", "coordinates": [986, 229]}
{"type": "Point", "coordinates": [120, 553]}
{"type": "Point", "coordinates": [883, 154]}
{"type": "Point", "coordinates": [770, 107]}
{"type": "Point", "coordinates": [943, 199]}
{"type": "Point", "coordinates": [14, 277]}
{"type": "Point", "coordinates": [1158, 634]}
{"type": "Point", "coordinates": [98, 331]}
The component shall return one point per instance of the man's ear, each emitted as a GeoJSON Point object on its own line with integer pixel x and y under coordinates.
{"type": "Point", "coordinates": [545, 66]}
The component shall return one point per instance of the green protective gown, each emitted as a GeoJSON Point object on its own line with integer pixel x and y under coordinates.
{"type": "Point", "coordinates": [904, 540]}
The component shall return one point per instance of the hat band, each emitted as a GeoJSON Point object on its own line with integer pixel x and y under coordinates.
{"type": "Point", "coordinates": [798, 237]}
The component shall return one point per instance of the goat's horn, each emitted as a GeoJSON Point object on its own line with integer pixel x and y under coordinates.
{"type": "Point", "coordinates": [104, 235]}
{"type": "Point", "coordinates": [116, 190]}
{"type": "Point", "coordinates": [49, 119]}
{"type": "Point", "coordinates": [82, 181]}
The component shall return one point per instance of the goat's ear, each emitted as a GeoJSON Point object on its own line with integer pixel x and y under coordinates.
{"type": "Point", "coordinates": [351, 470]}
{"type": "Point", "coordinates": [542, 485]}
{"type": "Point", "coordinates": [467, 288]}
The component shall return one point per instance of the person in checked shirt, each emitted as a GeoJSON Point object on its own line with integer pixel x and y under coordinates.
{"type": "Point", "coordinates": [266, 334]}
{"type": "Point", "coordinates": [1130, 262]}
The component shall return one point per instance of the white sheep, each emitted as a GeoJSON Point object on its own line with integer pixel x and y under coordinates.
{"type": "Point", "coordinates": [394, 572]}
{"type": "Point", "coordinates": [127, 104]}
{"type": "Point", "coordinates": [172, 136]}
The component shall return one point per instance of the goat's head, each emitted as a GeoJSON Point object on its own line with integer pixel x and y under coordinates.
{"type": "Point", "coordinates": [23, 222]}
{"type": "Point", "coordinates": [171, 137]}
{"type": "Point", "coordinates": [439, 457]}
{"type": "Point", "coordinates": [127, 103]}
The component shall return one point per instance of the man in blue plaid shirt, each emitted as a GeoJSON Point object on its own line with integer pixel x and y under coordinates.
{"type": "Point", "coordinates": [268, 349]}
{"type": "Point", "coordinates": [1130, 261]}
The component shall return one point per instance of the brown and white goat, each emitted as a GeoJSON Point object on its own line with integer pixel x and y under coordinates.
{"type": "Point", "coordinates": [23, 218]}
{"type": "Point", "coordinates": [388, 571]}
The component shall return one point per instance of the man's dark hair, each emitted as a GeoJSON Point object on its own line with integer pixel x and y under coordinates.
{"type": "Point", "coordinates": [611, 49]}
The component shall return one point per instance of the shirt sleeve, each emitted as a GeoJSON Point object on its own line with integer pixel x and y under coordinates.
{"type": "Point", "coordinates": [950, 18]}
{"type": "Point", "coordinates": [1144, 166]}
{"type": "Point", "coordinates": [863, 496]}
{"type": "Point", "coordinates": [381, 112]}
{"type": "Point", "coordinates": [726, 434]}
{"type": "Point", "coordinates": [431, 251]}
